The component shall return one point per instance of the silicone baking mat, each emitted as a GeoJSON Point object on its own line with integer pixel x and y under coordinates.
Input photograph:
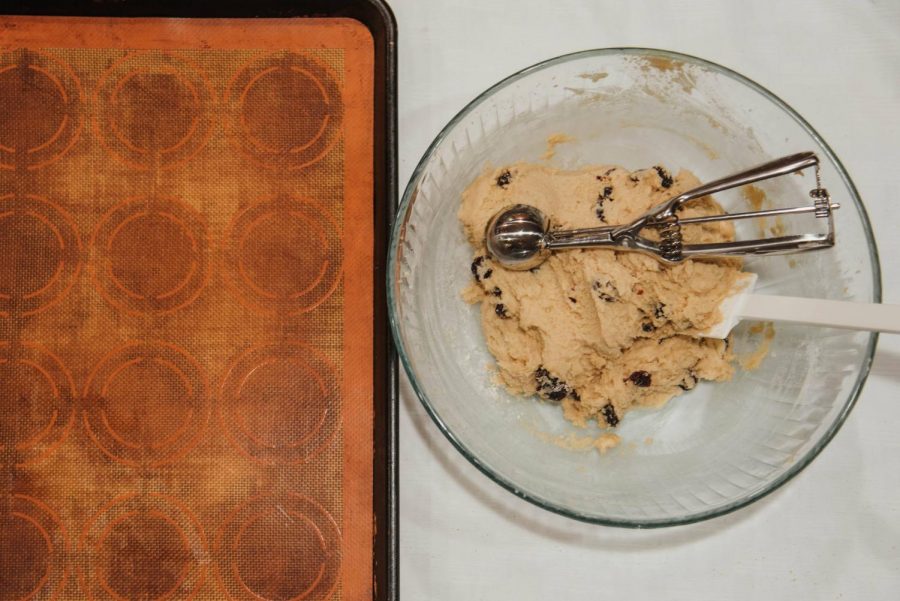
{"type": "Point", "coordinates": [186, 309]}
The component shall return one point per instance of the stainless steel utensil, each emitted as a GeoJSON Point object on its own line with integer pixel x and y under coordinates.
{"type": "Point", "coordinates": [519, 237]}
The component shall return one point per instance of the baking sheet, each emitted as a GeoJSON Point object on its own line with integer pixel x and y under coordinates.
{"type": "Point", "coordinates": [187, 308]}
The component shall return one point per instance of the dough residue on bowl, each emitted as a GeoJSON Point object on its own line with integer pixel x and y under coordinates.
{"type": "Point", "coordinates": [599, 331]}
{"type": "Point", "coordinates": [571, 441]}
{"type": "Point", "coordinates": [753, 360]}
{"type": "Point", "coordinates": [553, 141]}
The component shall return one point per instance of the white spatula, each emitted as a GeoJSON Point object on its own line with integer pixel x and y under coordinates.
{"type": "Point", "coordinates": [743, 304]}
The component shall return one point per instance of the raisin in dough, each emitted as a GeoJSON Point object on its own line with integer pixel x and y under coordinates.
{"type": "Point", "coordinates": [599, 331]}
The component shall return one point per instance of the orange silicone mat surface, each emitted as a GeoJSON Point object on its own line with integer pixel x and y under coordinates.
{"type": "Point", "coordinates": [186, 309]}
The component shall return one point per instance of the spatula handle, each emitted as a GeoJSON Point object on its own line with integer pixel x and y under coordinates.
{"type": "Point", "coordinates": [828, 313]}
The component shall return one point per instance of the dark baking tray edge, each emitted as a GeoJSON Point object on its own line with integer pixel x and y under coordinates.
{"type": "Point", "coordinates": [377, 16]}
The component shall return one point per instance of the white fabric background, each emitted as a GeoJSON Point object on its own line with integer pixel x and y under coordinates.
{"type": "Point", "coordinates": [832, 533]}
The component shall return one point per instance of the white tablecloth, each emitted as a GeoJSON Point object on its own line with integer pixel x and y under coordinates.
{"type": "Point", "coordinates": [832, 533]}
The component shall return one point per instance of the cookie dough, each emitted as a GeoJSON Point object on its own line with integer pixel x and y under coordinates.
{"type": "Point", "coordinates": [598, 331]}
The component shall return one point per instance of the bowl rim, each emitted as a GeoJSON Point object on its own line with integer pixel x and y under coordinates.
{"type": "Point", "coordinates": [403, 214]}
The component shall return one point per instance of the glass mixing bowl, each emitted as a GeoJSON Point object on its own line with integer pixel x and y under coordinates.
{"type": "Point", "coordinates": [713, 449]}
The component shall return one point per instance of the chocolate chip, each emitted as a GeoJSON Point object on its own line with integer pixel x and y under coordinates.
{"type": "Point", "coordinates": [640, 378]}
{"type": "Point", "coordinates": [504, 179]}
{"type": "Point", "coordinates": [500, 310]}
{"type": "Point", "coordinates": [659, 311]}
{"type": "Point", "coordinates": [665, 179]}
{"type": "Point", "coordinates": [497, 292]}
{"type": "Point", "coordinates": [552, 388]}
{"type": "Point", "coordinates": [689, 381]}
{"type": "Point", "coordinates": [606, 291]}
{"type": "Point", "coordinates": [480, 270]}
{"type": "Point", "coordinates": [573, 299]}
{"type": "Point", "coordinates": [475, 265]}
{"type": "Point", "coordinates": [606, 173]}
{"type": "Point", "coordinates": [609, 414]}
{"type": "Point", "coordinates": [647, 326]}
{"type": "Point", "coordinates": [604, 196]}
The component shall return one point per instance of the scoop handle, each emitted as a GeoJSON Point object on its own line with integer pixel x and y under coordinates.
{"type": "Point", "coordinates": [828, 313]}
{"type": "Point", "coordinates": [776, 168]}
